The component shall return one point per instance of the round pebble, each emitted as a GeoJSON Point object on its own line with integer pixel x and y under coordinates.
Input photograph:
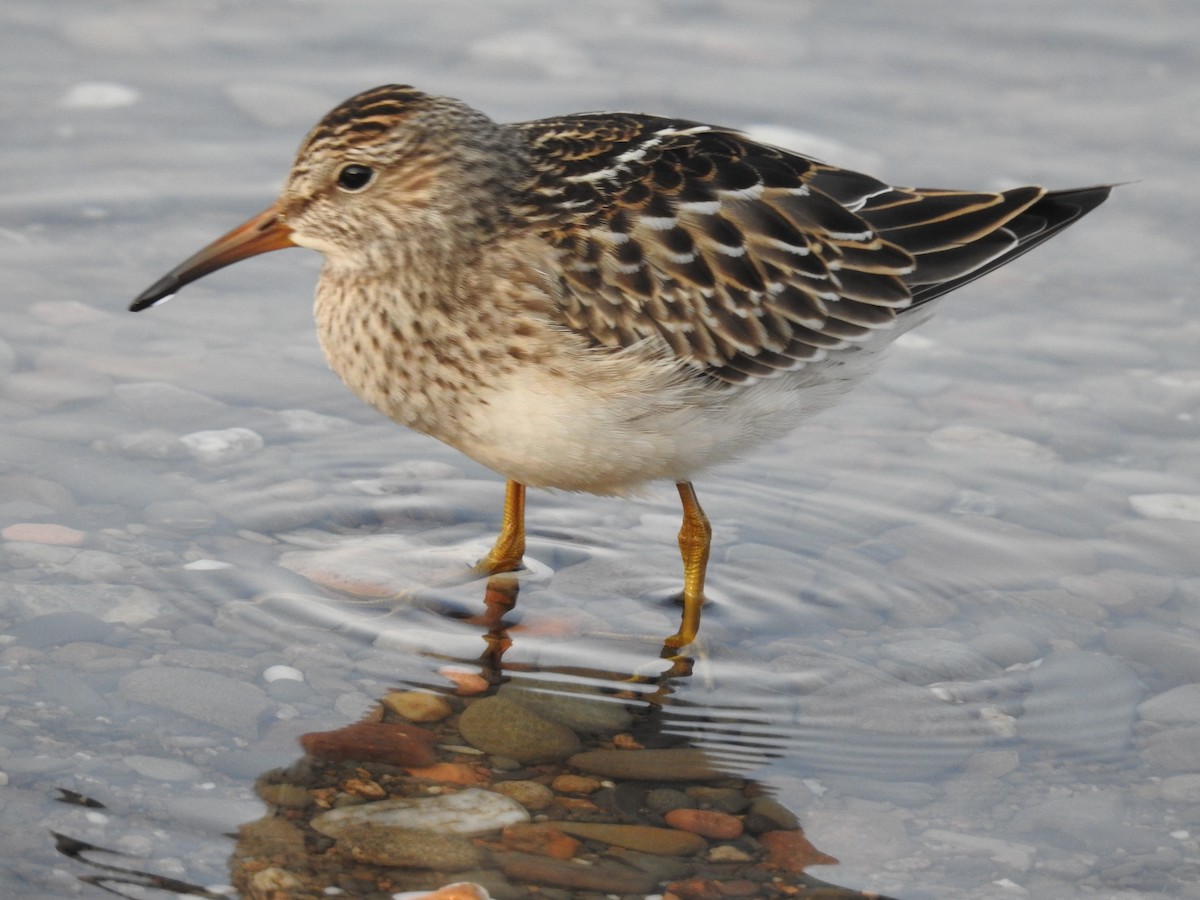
{"type": "Point", "coordinates": [468, 812]}
{"type": "Point", "coordinates": [282, 673]}
{"type": "Point", "coordinates": [499, 726]}
{"type": "Point", "coordinates": [418, 706]}
{"type": "Point", "coordinates": [705, 822]}
{"type": "Point", "coordinates": [44, 533]}
{"type": "Point", "coordinates": [529, 794]}
{"type": "Point", "coordinates": [213, 447]}
{"type": "Point", "coordinates": [662, 800]}
{"type": "Point", "coordinates": [575, 784]}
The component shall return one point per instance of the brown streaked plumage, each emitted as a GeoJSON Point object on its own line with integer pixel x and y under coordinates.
{"type": "Point", "coordinates": [596, 301]}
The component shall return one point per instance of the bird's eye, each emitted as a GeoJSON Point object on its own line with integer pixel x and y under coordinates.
{"type": "Point", "coordinates": [354, 178]}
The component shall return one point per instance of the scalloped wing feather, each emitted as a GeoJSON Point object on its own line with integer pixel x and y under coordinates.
{"type": "Point", "coordinates": [748, 260]}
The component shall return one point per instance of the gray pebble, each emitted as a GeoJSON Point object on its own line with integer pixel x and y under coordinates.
{"type": "Point", "coordinates": [223, 446]}
{"type": "Point", "coordinates": [1181, 789]}
{"type": "Point", "coordinates": [160, 769]}
{"type": "Point", "coordinates": [49, 389]}
{"type": "Point", "coordinates": [1178, 705]}
{"type": "Point", "coordinates": [205, 696]}
{"type": "Point", "coordinates": [1081, 704]}
{"type": "Point", "coordinates": [580, 707]}
{"type": "Point", "coordinates": [67, 688]}
{"type": "Point", "coordinates": [498, 725]}
{"type": "Point", "coordinates": [153, 443]}
{"type": "Point", "coordinates": [927, 660]}
{"type": "Point", "coordinates": [1175, 750]}
{"type": "Point", "coordinates": [661, 800]}
{"type": "Point", "coordinates": [181, 515]}
{"type": "Point", "coordinates": [57, 628]}
{"type": "Point", "coordinates": [1004, 648]}
{"type": "Point", "coordinates": [1173, 656]}
{"type": "Point", "coordinates": [163, 405]}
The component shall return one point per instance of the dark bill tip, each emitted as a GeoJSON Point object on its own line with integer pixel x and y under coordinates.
{"type": "Point", "coordinates": [259, 234]}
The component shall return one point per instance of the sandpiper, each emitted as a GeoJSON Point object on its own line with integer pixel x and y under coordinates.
{"type": "Point", "coordinates": [597, 301]}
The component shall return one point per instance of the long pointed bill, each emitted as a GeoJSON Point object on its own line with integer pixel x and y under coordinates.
{"type": "Point", "coordinates": [261, 234]}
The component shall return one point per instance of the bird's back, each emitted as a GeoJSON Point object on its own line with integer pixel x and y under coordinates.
{"type": "Point", "coordinates": [748, 260]}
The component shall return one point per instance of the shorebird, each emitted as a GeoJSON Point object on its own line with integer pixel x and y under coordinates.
{"type": "Point", "coordinates": [597, 301]}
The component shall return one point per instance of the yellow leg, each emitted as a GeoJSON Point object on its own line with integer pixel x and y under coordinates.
{"type": "Point", "coordinates": [695, 536]}
{"type": "Point", "coordinates": [506, 554]}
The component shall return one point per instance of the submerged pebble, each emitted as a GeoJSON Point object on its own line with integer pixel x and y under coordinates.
{"type": "Point", "coordinates": [467, 812]}
{"type": "Point", "coordinates": [500, 726]}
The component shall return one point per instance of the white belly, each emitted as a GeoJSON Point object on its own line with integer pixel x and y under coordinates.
{"type": "Point", "coordinates": [603, 437]}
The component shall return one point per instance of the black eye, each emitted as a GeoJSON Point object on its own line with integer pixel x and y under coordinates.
{"type": "Point", "coordinates": [355, 177]}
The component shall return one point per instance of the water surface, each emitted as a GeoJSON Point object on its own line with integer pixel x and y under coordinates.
{"type": "Point", "coordinates": [955, 620]}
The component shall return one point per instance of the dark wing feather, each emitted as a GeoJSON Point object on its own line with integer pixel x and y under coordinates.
{"type": "Point", "coordinates": [748, 260]}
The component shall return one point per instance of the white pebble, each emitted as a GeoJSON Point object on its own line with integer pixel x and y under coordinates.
{"type": "Point", "coordinates": [99, 95]}
{"type": "Point", "coordinates": [468, 812]}
{"type": "Point", "coordinates": [282, 673]}
{"type": "Point", "coordinates": [1167, 506]}
{"type": "Point", "coordinates": [222, 446]}
{"type": "Point", "coordinates": [205, 565]}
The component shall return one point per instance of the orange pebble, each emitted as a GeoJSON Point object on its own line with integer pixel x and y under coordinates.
{"type": "Point", "coordinates": [544, 840]}
{"type": "Point", "coordinates": [450, 773]}
{"type": "Point", "coordinates": [790, 851]}
{"type": "Point", "coordinates": [705, 822]}
{"type": "Point", "coordinates": [466, 683]}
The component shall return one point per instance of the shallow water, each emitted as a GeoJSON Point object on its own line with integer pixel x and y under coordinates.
{"type": "Point", "coordinates": [956, 620]}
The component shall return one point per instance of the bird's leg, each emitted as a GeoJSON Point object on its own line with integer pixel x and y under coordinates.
{"type": "Point", "coordinates": [695, 536]}
{"type": "Point", "coordinates": [506, 553]}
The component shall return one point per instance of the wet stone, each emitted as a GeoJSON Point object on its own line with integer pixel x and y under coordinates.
{"type": "Point", "coordinates": [164, 405]}
{"type": "Point", "coordinates": [181, 515]}
{"type": "Point", "coordinates": [1172, 751]}
{"type": "Point", "coordinates": [1122, 592]}
{"type": "Point", "coordinates": [418, 706]}
{"type": "Point", "coordinates": [43, 533]}
{"type": "Point", "coordinates": [58, 628]}
{"type": "Point", "coordinates": [161, 769]}
{"type": "Point", "coordinates": [1176, 657]}
{"type": "Point", "coordinates": [684, 764]}
{"type": "Point", "coordinates": [387, 742]}
{"type": "Point", "coordinates": [576, 784]}
{"type": "Point", "coordinates": [790, 851]}
{"type": "Point", "coordinates": [224, 446]}
{"type": "Point", "coordinates": [662, 800]}
{"type": "Point", "coordinates": [1005, 648]}
{"type": "Point", "coordinates": [772, 810]}
{"type": "Point", "coordinates": [409, 848]}
{"type": "Point", "coordinates": [608, 878]}
{"type": "Point", "coordinates": [706, 823]}
{"type": "Point", "coordinates": [70, 690]}
{"type": "Point", "coordinates": [646, 838]}
{"type": "Point", "coordinates": [542, 839]}
{"type": "Point", "coordinates": [1167, 506]}
{"type": "Point", "coordinates": [1178, 705]}
{"type": "Point", "coordinates": [499, 726]}
{"type": "Point", "coordinates": [928, 660]}
{"type": "Point", "coordinates": [529, 794]}
{"type": "Point", "coordinates": [205, 696]}
{"type": "Point", "coordinates": [468, 812]}
{"type": "Point", "coordinates": [152, 443]}
{"type": "Point", "coordinates": [993, 552]}
{"type": "Point", "coordinates": [1181, 789]}
{"type": "Point", "coordinates": [580, 707]}
{"type": "Point", "coordinates": [48, 389]}
{"type": "Point", "coordinates": [1081, 704]}
{"type": "Point", "coordinates": [288, 796]}
{"type": "Point", "coordinates": [1089, 821]}
{"type": "Point", "coordinates": [723, 799]}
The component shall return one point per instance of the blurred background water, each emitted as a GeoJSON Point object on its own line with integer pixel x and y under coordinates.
{"type": "Point", "coordinates": [964, 606]}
